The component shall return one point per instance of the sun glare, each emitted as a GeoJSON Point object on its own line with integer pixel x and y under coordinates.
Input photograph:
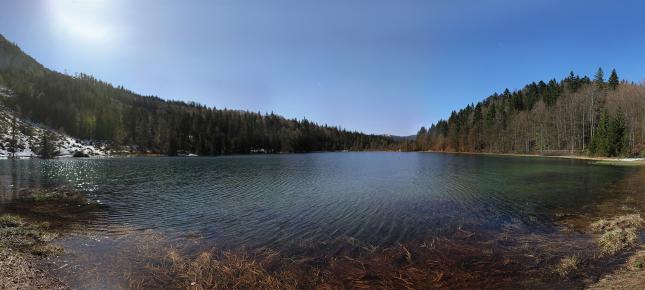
{"type": "Point", "coordinates": [84, 21]}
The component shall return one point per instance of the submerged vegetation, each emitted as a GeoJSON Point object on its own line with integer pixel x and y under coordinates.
{"type": "Point", "coordinates": [210, 270]}
{"type": "Point", "coordinates": [461, 257]}
{"type": "Point", "coordinates": [56, 196]}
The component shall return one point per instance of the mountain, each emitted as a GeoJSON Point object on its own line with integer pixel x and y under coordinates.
{"type": "Point", "coordinates": [576, 115]}
{"type": "Point", "coordinates": [20, 138]}
{"type": "Point", "coordinates": [86, 108]}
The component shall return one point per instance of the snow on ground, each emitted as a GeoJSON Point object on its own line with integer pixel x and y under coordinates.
{"type": "Point", "coordinates": [4, 92]}
{"type": "Point", "coordinates": [631, 159]}
{"type": "Point", "coordinates": [28, 136]}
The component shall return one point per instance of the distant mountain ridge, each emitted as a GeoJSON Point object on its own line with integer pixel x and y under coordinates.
{"type": "Point", "coordinates": [87, 108]}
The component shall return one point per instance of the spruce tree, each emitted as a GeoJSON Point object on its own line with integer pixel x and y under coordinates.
{"type": "Point", "coordinates": [13, 142]}
{"type": "Point", "coordinates": [617, 137]}
{"type": "Point", "coordinates": [599, 78]}
{"type": "Point", "coordinates": [48, 146]}
{"type": "Point", "coordinates": [613, 80]}
{"type": "Point", "coordinates": [600, 143]}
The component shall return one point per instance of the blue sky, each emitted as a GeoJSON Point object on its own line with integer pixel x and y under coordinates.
{"type": "Point", "coordinates": [370, 65]}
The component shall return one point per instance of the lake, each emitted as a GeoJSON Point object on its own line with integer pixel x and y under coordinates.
{"type": "Point", "coordinates": [284, 201]}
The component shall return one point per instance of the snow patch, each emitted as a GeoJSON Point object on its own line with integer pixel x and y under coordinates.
{"type": "Point", "coordinates": [28, 135]}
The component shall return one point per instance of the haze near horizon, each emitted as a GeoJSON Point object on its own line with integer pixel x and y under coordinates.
{"type": "Point", "coordinates": [372, 66]}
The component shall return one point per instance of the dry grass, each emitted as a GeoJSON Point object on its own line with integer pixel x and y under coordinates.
{"type": "Point", "coordinates": [343, 264]}
{"type": "Point", "coordinates": [620, 222]}
{"type": "Point", "coordinates": [18, 235]}
{"type": "Point", "coordinates": [637, 261]}
{"type": "Point", "coordinates": [20, 242]}
{"type": "Point", "coordinates": [629, 277]}
{"type": "Point", "coordinates": [19, 271]}
{"type": "Point", "coordinates": [213, 270]}
{"type": "Point", "coordinates": [613, 241]}
{"type": "Point", "coordinates": [617, 233]}
{"type": "Point", "coordinates": [567, 265]}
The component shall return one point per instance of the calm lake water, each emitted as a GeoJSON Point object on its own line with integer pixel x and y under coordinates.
{"type": "Point", "coordinates": [283, 202]}
{"type": "Point", "coordinates": [278, 200]}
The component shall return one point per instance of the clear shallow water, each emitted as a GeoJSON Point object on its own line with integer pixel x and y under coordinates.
{"type": "Point", "coordinates": [280, 200]}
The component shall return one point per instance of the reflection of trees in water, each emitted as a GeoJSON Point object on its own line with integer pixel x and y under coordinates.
{"type": "Point", "coordinates": [21, 175]}
{"type": "Point", "coordinates": [16, 176]}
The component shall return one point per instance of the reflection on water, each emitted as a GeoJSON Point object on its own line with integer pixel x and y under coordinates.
{"type": "Point", "coordinates": [278, 200]}
{"type": "Point", "coordinates": [308, 204]}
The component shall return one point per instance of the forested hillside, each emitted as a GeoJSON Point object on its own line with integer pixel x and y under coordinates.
{"type": "Point", "coordinates": [87, 108]}
{"type": "Point", "coordinates": [576, 115]}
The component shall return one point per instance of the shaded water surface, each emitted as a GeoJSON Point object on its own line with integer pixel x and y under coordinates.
{"type": "Point", "coordinates": [284, 201]}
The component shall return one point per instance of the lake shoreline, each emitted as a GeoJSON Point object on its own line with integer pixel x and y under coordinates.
{"type": "Point", "coordinates": [28, 235]}
{"type": "Point", "coordinates": [567, 254]}
{"type": "Point", "coordinates": [598, 160]}
{"type": "Point", "coordinates": [28, 270]}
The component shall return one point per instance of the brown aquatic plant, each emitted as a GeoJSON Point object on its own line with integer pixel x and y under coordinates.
{"type": "Point", "coordinates": [214, 270]}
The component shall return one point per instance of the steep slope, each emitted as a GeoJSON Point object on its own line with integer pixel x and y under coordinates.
{"type": "Point", "coordinates": [87, 108]}
{"type": "Point", "coordinates": [22, 139]}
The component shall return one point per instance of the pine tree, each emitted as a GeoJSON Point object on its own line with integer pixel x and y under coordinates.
{"type": "Point", "coordinates": [599, 78]}
{"type": "Point", "coordinates": [48, 146]}
{"type": "Point", "coordinates": [13, 142]}
{"type": "Point", "coordinates": [600, 143]}
{"type": "Point", "coordinates": [617, 137]}
{"type": "Point", "coordinates": [613, 80]}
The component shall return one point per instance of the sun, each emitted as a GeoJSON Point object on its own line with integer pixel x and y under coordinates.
{"type": "Point", "coordinates": [84, 21]}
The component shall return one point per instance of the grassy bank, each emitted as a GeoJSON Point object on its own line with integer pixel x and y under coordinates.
{"type": "Point", "coordinates": [22, 245]}
{"type": "Point", "coordinates": [37, 218]}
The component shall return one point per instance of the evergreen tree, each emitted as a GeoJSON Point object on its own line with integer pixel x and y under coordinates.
{"type": "Point", "coordinates": [48, 146]}
{"type": "Point", "coordinates": [599, 78]}
{"type": "Point", "coordinates": [87, 108]}
{"type": "Point", "coordinates": [600, 144]}
{"type": "Point", "coordinates": [613, 81]}
{"type": "Point", "coordinates": [617, 138]}
{"type": "Point", "coordinates": [13, 141]}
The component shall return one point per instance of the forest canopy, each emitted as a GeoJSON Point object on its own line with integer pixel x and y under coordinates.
{"type": "Point", "coordinates": [87, 108]}
{"type": "Point", "coordinates": [577, 115]}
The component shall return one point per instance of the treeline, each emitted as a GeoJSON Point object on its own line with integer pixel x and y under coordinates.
{"type": "Point", "coordinates": [87, 108]}
{"type": "Point", "coordinates": [576, 115]}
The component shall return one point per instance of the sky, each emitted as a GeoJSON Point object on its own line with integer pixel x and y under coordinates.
{"type": "Point", "coordinates": [376, 66]}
